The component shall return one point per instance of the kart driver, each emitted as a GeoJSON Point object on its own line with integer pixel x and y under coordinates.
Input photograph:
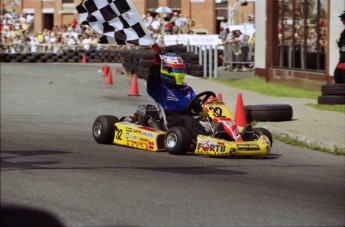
{"type": "Point", "coordinates": [165, 85]}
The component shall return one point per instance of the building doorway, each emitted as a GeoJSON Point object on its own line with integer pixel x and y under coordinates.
{"type": "Point", "coordinates": [48, 21]}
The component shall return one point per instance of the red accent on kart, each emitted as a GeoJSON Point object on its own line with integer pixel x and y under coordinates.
{"type": "Point", "coordinates": [148, 129]}
{"type": "Point", "coordinates": [210, 99]}
{"type": "Point", "coordinates": [231, 128]}
{"type": "Point", "coordinates": [151, 145]}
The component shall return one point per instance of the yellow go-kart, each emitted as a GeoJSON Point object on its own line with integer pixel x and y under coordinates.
{"type": "Point", "coordinates": [147, 129]}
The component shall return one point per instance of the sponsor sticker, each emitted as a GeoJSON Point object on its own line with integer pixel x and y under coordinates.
{"type": "Point", "coordinates": [148, 135]}
{"type": "Point", "coordinates": [247, 147]}
{"type": "Point", "coordinates": [211, 147]}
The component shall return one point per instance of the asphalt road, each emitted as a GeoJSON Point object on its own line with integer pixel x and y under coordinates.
{"type": "Point", "coordinates": [50, 160]}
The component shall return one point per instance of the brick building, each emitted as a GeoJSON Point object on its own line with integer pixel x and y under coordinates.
{"type": "Point", "coordinates": [49, 12]}
{"type": "Point", "coordinates": [293, 39]}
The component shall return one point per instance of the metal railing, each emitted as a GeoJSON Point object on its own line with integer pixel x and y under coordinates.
{"type": "Point", "coordinates": [237, 57]}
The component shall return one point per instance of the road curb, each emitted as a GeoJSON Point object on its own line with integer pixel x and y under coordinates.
{"type": "Point", "coordinates": [330, 147]}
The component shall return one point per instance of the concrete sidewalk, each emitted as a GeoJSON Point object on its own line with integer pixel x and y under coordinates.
{"type": "Point", "coordinates": [324, 129]}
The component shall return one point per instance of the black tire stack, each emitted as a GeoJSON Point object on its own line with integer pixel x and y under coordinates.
{"type": "Point", "coordinates": [268, 112]}
{"type": "Point", "coordinates": [332, 94]}
{"type": "Point", "coordinates": [138, 61]}
{"type": "Point", "coordinates": [68, 56]}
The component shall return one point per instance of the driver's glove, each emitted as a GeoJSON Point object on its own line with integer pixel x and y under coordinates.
{"type": "Point", "coordinates": [156, 48]}
{"type": "Point", "coordinates": [156, 60]}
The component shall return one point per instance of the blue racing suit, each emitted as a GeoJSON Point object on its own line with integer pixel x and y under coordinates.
{"type": "Point", "coordinates": [174, 100]}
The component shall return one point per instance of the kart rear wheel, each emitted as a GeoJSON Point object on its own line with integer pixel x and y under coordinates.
{"type": "Point", "coordinates": [104, 128]}
{"type": "Point", "coordinates": [177, 141]}
{"type": "Point", "coordinates": [262, 131]}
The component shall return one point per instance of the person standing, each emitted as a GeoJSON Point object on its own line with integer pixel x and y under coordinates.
{"type": "Point", "coordinates": [339, 73]}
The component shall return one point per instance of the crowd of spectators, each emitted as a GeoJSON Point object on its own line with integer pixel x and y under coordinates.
{"type": "Point", "coordinates": [237, 48]}
{"type": "Point", "coordinates": [18, 35]}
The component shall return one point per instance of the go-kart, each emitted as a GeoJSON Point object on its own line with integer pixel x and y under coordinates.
{"type": "Point", "coordinates": [147, 129]}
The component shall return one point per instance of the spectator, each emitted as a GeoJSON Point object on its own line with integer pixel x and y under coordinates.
{"type": "Point", "coordinates": [29, 18]}
{"type": "Point", "coordinates": [74, 23]}
{"type": "Point", "coordinates": [72, 42]}
{"type": "Point", "coordinates": [86, 42]}
{"type": "Point", "coordinates": [169, 26]}
{"type": "Point", "coordinates": [94, 41]}
{"type": "Point", "coordinates": [33, 44]}
{"type": "Point", "coordinates": [227, 39]}
{"type": "Point", "coordinates": [339, 73]}
{"type": "Point", "coordinates": [156, 24]}
{"type": "Point", "coordinates": [181, 24]}
{"type": "Point", "coordinates": [242, 42]}
{"type": "Point", "coordinates": [40, 38]}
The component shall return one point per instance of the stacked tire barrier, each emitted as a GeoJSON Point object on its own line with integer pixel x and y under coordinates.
{"type": "Point", "coordinates": [135, 60]}
{"type": "Point", "coordinates": [138, 61]}
{"type": "Point", "coordinates": [68, 56]}
{"type": "Point", "coordinates": [333, 94]}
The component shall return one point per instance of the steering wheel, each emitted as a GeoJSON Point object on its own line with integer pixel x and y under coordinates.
{"type": "Point", "coordinates": [194, 105]}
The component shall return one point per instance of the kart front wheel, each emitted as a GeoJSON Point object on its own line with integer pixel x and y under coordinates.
{"type": "Point", "coordinates": [177, 141]}
{"type": "Point", "coordinates": [104, 128]}
{"type": "Point", "coordinates": [262, 131]}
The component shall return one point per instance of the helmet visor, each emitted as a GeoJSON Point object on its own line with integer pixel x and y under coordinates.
{"type": "Point", "coordinates": [176, 68]}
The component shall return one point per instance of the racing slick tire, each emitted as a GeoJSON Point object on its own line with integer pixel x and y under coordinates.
{"type": "Point", "coordinates": [262, 131]}
{"type": "Point", "coordinates": [177, 141]}
{"type": "Point", "coordinates": [103, 129]}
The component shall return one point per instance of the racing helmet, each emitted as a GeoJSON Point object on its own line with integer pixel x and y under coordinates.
{"type": "Point", "coordinates": [173, 69]}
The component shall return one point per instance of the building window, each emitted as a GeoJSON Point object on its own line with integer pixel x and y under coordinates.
{"type": "Point", "coordinates": [299, 28]}
{"type": "Point", "coordinates": [175, 5]}
{"type": "Point", "coordinates": [152, 5]}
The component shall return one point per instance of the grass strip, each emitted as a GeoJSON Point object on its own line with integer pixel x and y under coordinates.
{"type": "Point", "coordinates": [298, 143]}
{"type": "Point", "coordinates": [275, 90]}
{"type": "Point", "coordinates": [336, 108]}
{"type": "Point", "coordinates": [279, 90]}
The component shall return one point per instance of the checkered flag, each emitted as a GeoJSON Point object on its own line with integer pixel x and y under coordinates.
{"type": "Point", "coordinates": [117, 22]}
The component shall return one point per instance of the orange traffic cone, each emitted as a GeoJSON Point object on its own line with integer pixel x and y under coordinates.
{"type": "Point", "coordinates": [105, 70]}
{"type": "Point", "coordinates": [109, 80]}
{"type": "Point", "coordinates": [219, 96]}
{"type": "Point", "coordinates": [134, 87]}
{"type": "Point", "coordinates": [83, 60]}
{"type": "Point", "coordinates": [240, 116]}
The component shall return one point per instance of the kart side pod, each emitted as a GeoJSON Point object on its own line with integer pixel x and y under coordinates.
{"type": "Point", "coordinates": [217, 147]}
{"type": "Point", "coordinates": [138, 136]}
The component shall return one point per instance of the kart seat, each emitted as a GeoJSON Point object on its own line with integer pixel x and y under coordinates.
{"type": "Point", "coordinates": [162, 116]}
{"type": "Point", "coordinates": [220, 133]}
